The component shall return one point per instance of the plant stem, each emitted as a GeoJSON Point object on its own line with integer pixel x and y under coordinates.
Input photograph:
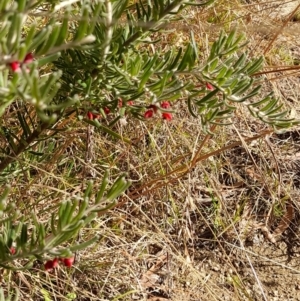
{"type": "Point", "coordinates": [35, 134]}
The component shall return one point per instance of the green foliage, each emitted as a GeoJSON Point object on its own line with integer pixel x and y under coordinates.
{"type": "Point", "coordinates": [98, 53]}
{"type": "Point", "coordinates": [88, 56]}
{"type": "Point", "coordinates": [32, 239]}
{"type": "Point", "coordinates": [233, 78]}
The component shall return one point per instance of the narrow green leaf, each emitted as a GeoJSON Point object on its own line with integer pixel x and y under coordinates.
{"type": "Point", "coordinates": [118, 188]}
{"type": "Point", "coordinates": [53, 228]}
{"type": "Point", "coordinates": [190, 107]}
{"type": "Point", "coordinates": [242, 86]}
{"type": "Point", "coordinates": [63, 32]}
{"type": "Point", "coordinates": [173, 65]}
{"type": "Point", "coordinates": [271, 113]}
{"type": "Point", "coordinates": [186, 58]}
{"type": "Point", "coordinates": [211, 66]}
{"type": "Point", "coordinates": [240, 62]}
{"type": "Point", "coordinates": [270, 106]}
{"type": "Point", "coordinates": [29, 37]}
{"type": "Point", "coordinates": [41, 236]}
{"type": "Point", "coordinates": [51, 41]}
{"type": "Point", "coordinates": [88, 191]}
{"type": "Point", "coordinates": [83, 25]}
{"type": "Point", "coordinates": [84, 245]}
{"type": "Point", "coordinates": [81, 211]}
{"type": "Point", "coordinates": [222, 72]}
{"type": "Point", "coordinates": [207, 97]}
{"type": "Point", "coordinates": [102, 188]}
{"type": "Point", "coordinates": [24, 235]}
{"type": "Point", "coordinates": [251, 94]}
{"type": "Point", "coordinates": [39, 38]}
{"type": "Point", "coordinates": [24, 125]}
{"type": "Point", "coordinates": [230, 38]}
{"type": "Point", "coordinates": [4, 31]}
{"type": "Point", "coordinates": [14, 34]}
{"type": "Point", "coordinates": [69, 213]}
{"type": "Point", "coordinates": [61, 212]}
{"type": "Point", "coordinates": [255, 66]}
{"type": "Point", "coordinates": [48, 59]}
{"type": "Point", "coordinates": [264, 100]}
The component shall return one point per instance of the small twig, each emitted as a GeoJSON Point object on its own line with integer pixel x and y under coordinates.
{"type": "Point", "coordinates": [281, 28]}
{"type": "Point", "coordinates": [267, 139]}
{"type": "Point", "coordinates": [207, 137]}
{"type": "Point", "coordinates": [276, 70]}
{"type": "Point", "coordinates": [183, 170]}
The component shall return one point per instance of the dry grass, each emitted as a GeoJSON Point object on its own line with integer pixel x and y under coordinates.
{"type": "Point", "coordinates": [225, 229]}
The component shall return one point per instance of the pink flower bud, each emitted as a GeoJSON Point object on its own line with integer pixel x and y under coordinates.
{"type": "Point", "coordinates": [55, 262]}
{"type": "Point", "coordinates": [68, 262]}
{"type": "Point", "coordinates": [148, 114]}
{"type": "Point", "coordinates": [51, 264]}
{"type": "Point", "coordinates": [106, 110]}
{"type": "Point", "coordinates": [92, 116]}
{"type": "Point", "coordinates": [130, 103]}
{"type": "Point", "coordinates": [15, 66]}
{"type": "Point", "coordinates": [209, 87]}
{"type": "Point", "coordinates": [12, 250]}
{"type": "Point", "coordinates": [167, 116]}
{"type": "Point", "coordinates": [28, 58]}
{"type": "Point", "coordinates": [165, 105]}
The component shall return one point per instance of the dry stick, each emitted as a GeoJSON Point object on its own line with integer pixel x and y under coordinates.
{"type": "Point", "coordinates": [283, 76]}
{"type": "Point", "coordinates": [269, 144]}
{"type": "Point", "coordinates": [184, 169]}
{"type": "Point", "coordinates": [281, 28]}
{"type": "Point", "coordinates": [277, 70]}
{"type": "Point", "coordinates": [207, 137]}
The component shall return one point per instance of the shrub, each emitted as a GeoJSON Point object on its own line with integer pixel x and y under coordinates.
{"type": "Point", "coordinates": [91, 59]}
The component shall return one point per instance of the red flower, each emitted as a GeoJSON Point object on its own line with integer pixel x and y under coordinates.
{"type": "Point", "coordinates": [167, 116]}
{"type": "Point", "coordinates": [15, 66]}
{"type": "Point", "coordinates": [28, 58]}
{"type": "Point", "coordinates": [148, 114]}
{"type": "Point", "coordinates": [106, 110]}
{"type": "Point", "coordinates": [165, 105]}
{"type": "Point", "coordinates": [209, 86]}
{"type": "Point", "coordinates": [51, 264]}
{"type": "Point", "coordinates": [55, 262]}
{"type": "Point", "coordinates": [92, 116]}
{"type": "Point", "coordinates": [12, 250]}
{"type": "Point", "coordinates": [68, 262]}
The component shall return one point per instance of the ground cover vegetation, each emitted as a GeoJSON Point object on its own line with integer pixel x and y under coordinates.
{"type": "Point", "coordinates": [149, 150]}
